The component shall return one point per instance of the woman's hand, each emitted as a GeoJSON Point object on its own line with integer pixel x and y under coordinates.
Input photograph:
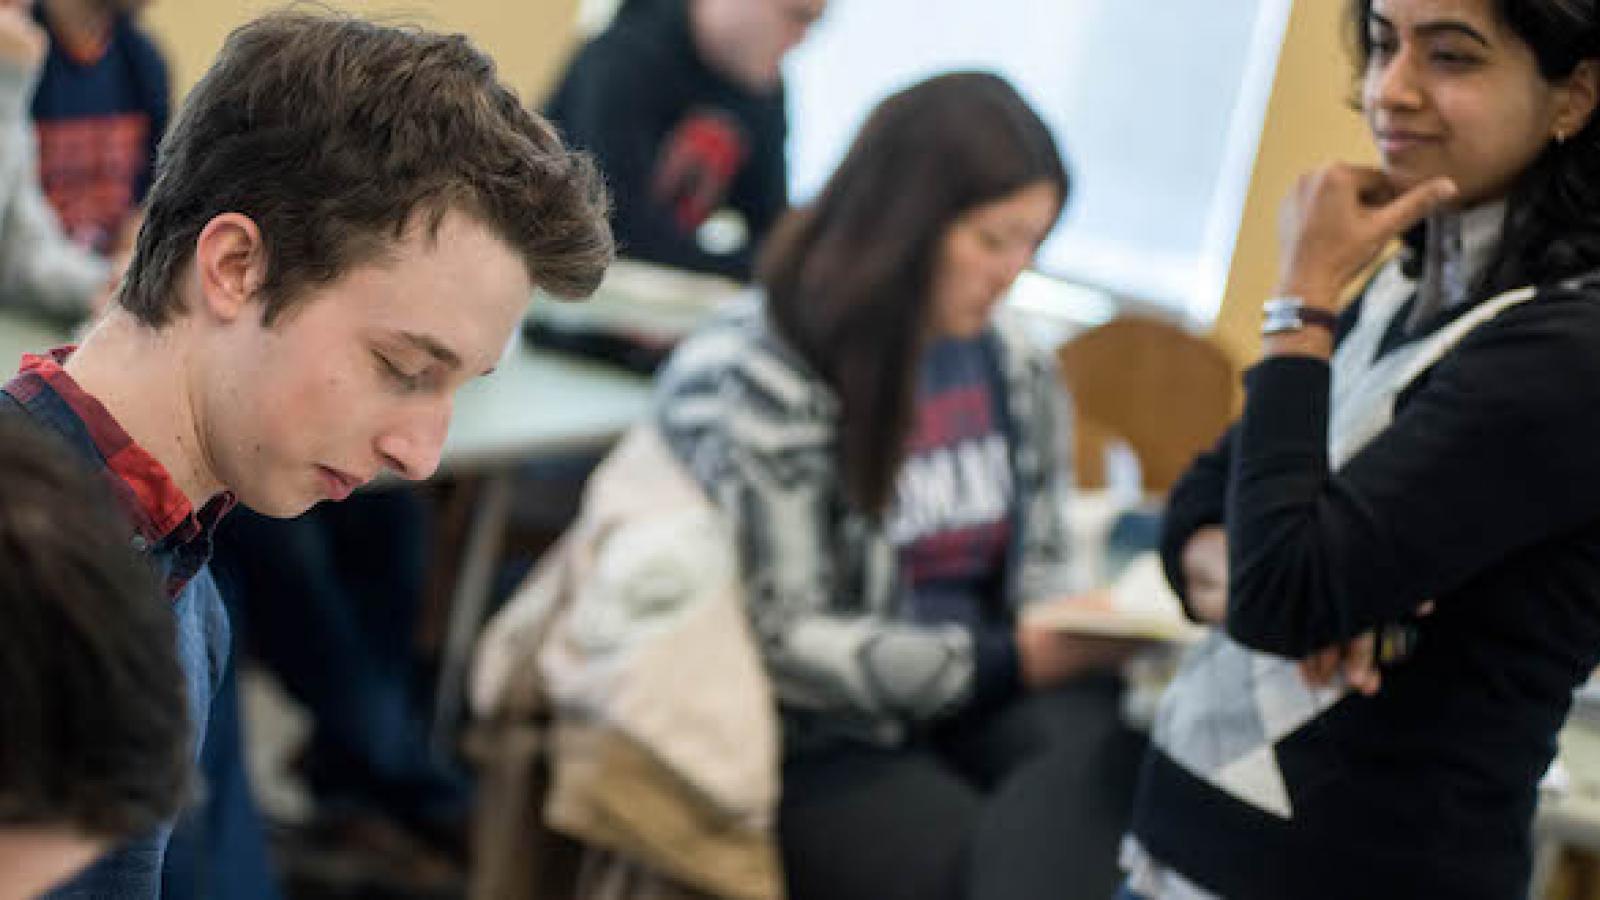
{"type": "Point", "coordinates": [1356, 660]}
{"type": "Point", "coordinates": [1338, 219]}
{"type": "Point", "coordinates": [1049, 656]}
{"type": "Point", "coordinates": [1205, 574]}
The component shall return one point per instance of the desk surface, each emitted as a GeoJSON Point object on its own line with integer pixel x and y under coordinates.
{"type": "Point", "coordinates": [536, 402]}
{"type": "Point", "coordinates": [539, 402]}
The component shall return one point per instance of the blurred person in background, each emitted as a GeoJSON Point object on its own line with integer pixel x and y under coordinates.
{"type": "Point", "coordinates": [890, 450]}
{"type": "Point", "coordinates": [682, 104]}
{"type": "Point", "coordinates": [40, 268]}
{"type": "Point", "coordinates": [100, 109]}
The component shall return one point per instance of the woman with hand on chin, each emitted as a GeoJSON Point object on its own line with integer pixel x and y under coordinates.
{"type": "Point", "coordinates": [1428, 447]}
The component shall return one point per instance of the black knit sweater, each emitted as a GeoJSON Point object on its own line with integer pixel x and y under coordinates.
{"type": "Point", "coordinates": [1484, 495]}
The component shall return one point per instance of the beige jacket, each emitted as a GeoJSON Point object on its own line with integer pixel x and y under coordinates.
{"type": "Point", "coordinates": [632, 637]}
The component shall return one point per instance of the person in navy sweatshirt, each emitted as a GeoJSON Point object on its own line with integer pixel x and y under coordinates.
{"type": "Point", "coordinates": [682, 103]}
{"type": "Point", "coordinates": [99, 111]}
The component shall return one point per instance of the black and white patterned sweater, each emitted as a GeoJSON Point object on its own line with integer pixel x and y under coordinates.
{"type": "Point", "coordinates": [758, 428]}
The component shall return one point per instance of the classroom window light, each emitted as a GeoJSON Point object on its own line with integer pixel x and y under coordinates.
{"type": "Point", "coordinates": [1158, 104]}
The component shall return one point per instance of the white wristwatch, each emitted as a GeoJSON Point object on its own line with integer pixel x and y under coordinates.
{"type": "Point", "coordinates": [1281, 315]}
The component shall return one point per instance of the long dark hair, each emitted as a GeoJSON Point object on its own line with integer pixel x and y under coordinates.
{"type": "Point", "coordinates": [1552, 224]}
{"type": "Point", "coordinates": [849, 277]}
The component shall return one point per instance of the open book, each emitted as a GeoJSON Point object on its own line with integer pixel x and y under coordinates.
{"type": "Point", "coordinates": [1139, 604]}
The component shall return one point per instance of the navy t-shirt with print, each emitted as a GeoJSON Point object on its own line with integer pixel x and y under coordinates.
{"type": "Point", "coordinates": [954, 503]}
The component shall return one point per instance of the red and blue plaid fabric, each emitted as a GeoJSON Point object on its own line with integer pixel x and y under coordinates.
{"type": "Point", "coordinates": [165, 523]}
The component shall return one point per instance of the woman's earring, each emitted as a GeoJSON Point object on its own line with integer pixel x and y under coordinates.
{"type": "Point", "coordinates": [1561, 135]}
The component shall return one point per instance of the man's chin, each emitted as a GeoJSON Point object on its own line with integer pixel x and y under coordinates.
{"type": "Point", "coordinates": [280, 507]}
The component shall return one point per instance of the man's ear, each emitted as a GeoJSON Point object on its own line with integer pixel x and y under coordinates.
{"type": "Point", "coordinates": [230, 263]}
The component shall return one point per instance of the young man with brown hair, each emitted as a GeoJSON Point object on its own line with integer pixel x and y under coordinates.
{"type": "Point", "coordinates": [348, 221]}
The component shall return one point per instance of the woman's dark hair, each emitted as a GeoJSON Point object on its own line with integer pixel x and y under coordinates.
{"type": "Point", "coordinates": [1552, 225]}
{"type": "Point", "coordinates": [849, 277]}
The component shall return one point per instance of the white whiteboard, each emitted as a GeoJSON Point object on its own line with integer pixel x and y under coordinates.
{"type": "Point", "coordinates": [1158, 105]}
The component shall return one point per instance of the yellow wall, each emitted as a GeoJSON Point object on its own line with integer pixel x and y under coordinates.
{"type": "Point", "coordinates": [529, 39]}
{"type": "Point", "coordinates": [1307, 124]}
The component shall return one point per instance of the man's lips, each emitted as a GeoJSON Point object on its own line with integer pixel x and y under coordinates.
{"type": "Point", "coordinates": [340, 484]}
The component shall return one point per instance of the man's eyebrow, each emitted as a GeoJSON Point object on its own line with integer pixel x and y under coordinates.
{"type": "Point", "coordinates": [433, 348]}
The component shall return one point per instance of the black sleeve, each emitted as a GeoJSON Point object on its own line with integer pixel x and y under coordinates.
{"type": "Point", "coordinates": [1493, 454]}
{"type": "Point", "coordinates": [1195, 502]}
{"type": "Point", "coordinates": [764, 189]}
{"type": "Point", "coordinates": [619, 100]}
{"type": "Point", "coordinates": [1198, 499]}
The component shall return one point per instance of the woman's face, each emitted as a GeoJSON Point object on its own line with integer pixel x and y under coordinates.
{"type": "Point", "coordinates": [1451, 90]}
{"type": "Point", "coordinates": [982, 253]}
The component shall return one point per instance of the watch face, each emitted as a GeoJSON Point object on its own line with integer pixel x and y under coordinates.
{"type": "Point", "coordinates": [1282, 316]}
